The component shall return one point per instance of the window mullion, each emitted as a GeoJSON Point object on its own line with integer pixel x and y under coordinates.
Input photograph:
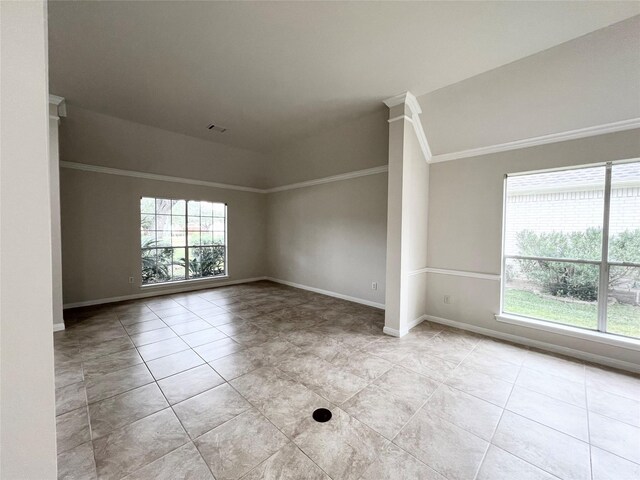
{"type": "Point", "coordinates": [186, 239]}
{"type": "Point", "coordinates": [603, 287]}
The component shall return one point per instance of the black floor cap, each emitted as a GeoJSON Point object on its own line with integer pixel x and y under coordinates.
{"type": "Point", "coordinates": [322, 415]}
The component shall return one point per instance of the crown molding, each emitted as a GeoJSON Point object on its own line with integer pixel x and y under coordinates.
{"type": "Point", "coordinates": [409, 100]}
{"type": "Point", "coordinates": [613, 127]}
{"type": "Point", "coordinates": [152, 176]}
{"type": "Point", "coordinates": [57, 107]}
{"type": "Point", "coordinates": [333, 178]}
{"type": "Point", "coordinates": [166, 178]}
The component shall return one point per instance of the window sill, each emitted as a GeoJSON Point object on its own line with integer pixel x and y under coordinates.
{"type": "Point", "coordinates": [184, 282]}
{"type": "Point", "coordinates": [569, 331]}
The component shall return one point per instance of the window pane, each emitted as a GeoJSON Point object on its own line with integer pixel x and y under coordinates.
{"type": "Point", "coordinates": [194, 223]}
{"type": "Point", "coordinates": [218, 238]}
{"type": "Point", "coordinates": [556, 214]}
{"type": "Point", "coordinates": [207, 238]}
{"type": "Point", "coordinates": [147, 205]}
{"type": "Point", "coordinates": [177, 223]}
{"type": "Point", "coordinates": [148, 239]}
{"type": "Point", "coordinates": [206, 208]}
{"type": "Point", "coordinates": [194, 239]}
{"type": "Point", "coordinates": [194, 208]}
{"type": "Point", "coordinates": [195, 268]}
{"type": "Point", "coordinates": [624, 219]}
{"type": "Point", "coordinates": [178, 207]}
{"type": "Point", "coordinates": [623, 308]}
{"type": "Point", "coordinates": [206, 223]}
{"type": "Point", "coordinates": [163, 238]}
{"type": "Point", "coordinates": [178, 264]}
{"type": "Point", "coordinates": [147, 222]}
{"type": "Point", "coordinates": [163, 206]}
{"type": "Point", "coordinates": [163, 222]}
{"type": "Point", "coordinates": [218, 224]}
{"type": "Point", "coordinates": [219, 209]}
{"type": "Point", "coordinates": [560, 292]}
{"type": "Point", "coordinates": [212, 261]}
{"type": "Point", "coordinates": [178, 239]}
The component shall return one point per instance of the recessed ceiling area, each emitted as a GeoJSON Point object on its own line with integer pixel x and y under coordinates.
{"type": "Point", "coordinates": [274, 72]}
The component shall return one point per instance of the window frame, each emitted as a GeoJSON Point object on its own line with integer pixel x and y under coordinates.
{"type": "Point", "coordinates": [600, 334]}
{"type": "Point", "coordinates": [186, 247]}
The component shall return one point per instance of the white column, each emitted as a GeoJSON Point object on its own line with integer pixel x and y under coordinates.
{"type": "Point", "coordinates": [56, 110]}
{"type": "Point", "coordinates": [27, 387]}
{"type": "Point", "coordinates": [406, 215]}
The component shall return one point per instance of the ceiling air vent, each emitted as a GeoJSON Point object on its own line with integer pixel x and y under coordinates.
{"type": "Point", "coordinates": [217, 128]}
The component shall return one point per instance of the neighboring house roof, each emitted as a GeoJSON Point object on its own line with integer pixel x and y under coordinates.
{"type": "Point", "coordinates": [627, 175]}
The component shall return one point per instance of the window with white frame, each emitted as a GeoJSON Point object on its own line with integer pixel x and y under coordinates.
{"type": "Point", "coordinates": [571, 247]}
{"type": "Point", "coordinates": [182, 239]}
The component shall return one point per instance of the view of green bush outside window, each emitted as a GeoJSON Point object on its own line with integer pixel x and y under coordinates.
{"type": "Point", "coordinates": [182, 239]}
{"type": "Point", "coordinates": [572, 247]}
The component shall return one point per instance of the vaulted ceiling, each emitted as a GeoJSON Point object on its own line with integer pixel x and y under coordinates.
{"type": "Point", "coordinates": [271, 72]}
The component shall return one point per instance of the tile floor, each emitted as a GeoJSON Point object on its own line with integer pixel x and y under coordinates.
{"type": "Point", "coordinates": [221, 384]}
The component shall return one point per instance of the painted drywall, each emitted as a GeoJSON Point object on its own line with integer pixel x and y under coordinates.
{"type": "Point", "coordinates": [592, 80]}
{"type": "Point", "coordinates": [97, 139]}
{"type": "Point", "coordinates": [101, 232]}
{"type": "Point", "coordinates": [358, 144]}
{"type": "Point", "coordinates": [465, 230]}
{"type": "Point", "coordinates": [331, 236]}
{"type": "Point", "coordinates": [27, 398]}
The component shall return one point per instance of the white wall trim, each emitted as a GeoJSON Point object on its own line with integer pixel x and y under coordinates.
{"type": "Point", "coordinates": [408, 99]}
{"type": "Point", "coordinates": [328, 293]}
{"type": "Point", "coordinates": [401, 333]}
{"type": "Point", "coordinates": [569, 331]}
{"type": "Point", "coordinates": [541, 140]}
{"type": "Point", "coordinates": [57, 107]}
{"type": "Point", "coordinates": [579, 354]}
{"type": "Point", "coordinates": [457, 273]}
{"type": "Point", "coordinates": [156, 293]}
{"type": "Point", "coordinates": [152, 176]}
{"type": "Point", "coordinates": [333, 178]}
{"type": "Point", "coordinates": [58, 327]}
{"type": "Point", "coordinates": [166, 178]}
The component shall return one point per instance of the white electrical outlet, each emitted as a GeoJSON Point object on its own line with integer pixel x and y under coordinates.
{"type": "Point", "coordinates": [131, 279]}
{"type": "Point", "coordinates": [374, 285]}
{"type": "Point", "coordinates": [448, 299]}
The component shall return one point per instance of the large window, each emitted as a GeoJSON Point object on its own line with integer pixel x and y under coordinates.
{"type": "Point", "coordinates": [571, 252]}
{"type": "Point", "coordinates": [182, 239]}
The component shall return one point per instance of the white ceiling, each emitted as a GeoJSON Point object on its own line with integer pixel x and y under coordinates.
{"type": "Point", "coordinates": [273, 72]}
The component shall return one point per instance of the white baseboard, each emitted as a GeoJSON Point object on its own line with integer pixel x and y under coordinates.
{"type": "Point", "coordinates": [58, 327]}
{"type": "Point", "coordinates": [329, 293]}
{"type": "Point", "coordinates": [156, 293]}
{"type": "Point", "coordinates": [401, 333]}
{"type": "Point", "coordinates": [579, 354]}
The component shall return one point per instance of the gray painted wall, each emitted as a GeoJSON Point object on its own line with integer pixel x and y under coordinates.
{"type": "Point", "coordinates": [465, 229]}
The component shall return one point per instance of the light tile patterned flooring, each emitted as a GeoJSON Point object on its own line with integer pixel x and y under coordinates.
{"type": "Point", "coordinates": [221, 384]}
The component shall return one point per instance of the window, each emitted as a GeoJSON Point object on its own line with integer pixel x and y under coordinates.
{"type": "Point", "coordinates": [182, 240]}
{"type": "Point", "coordinates": [571, 247]}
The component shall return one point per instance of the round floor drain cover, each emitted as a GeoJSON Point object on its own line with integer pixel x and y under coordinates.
{"type": "Point", "coordinates": [322, 415]}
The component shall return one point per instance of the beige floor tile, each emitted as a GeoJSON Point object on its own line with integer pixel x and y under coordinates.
{"type": "Point", "coordinates": [218, 349]}
{"type": "Point", "coordinates": [288, 463]}
{"type": "Point", "coordinates": [184, 463]}
{"type": "Point", "coordinates": [553, 386]}
{"type": "Point", "coordinates": [396, 464]}
{"type": "Point", "coordinates": [131, 447]}
{"type": "Point", "coordinates": [466, 411]}
{"type": "Point", "coordinates": [607, 466]}
{"type": "Point", "coordinates": [152, 336]}
{"type": "Point", "coordinates": [448, 449]}
{"type": "Point", "coordinates": [407, 385]}
{"type": "Point", "coordinates": [112, 362]}
{"type": "Point", "coordinates": [501, 465]}
{"type": "Point", "coordinates": [561, 416]}
{"type": "Point", "coordinates": [185, 385]}
{"type": "Point", "coordinates": [479, 384]}
{"type": "Point", "coordinates": [615, 437]}
{"type": "Point", "coordinates": [100, 387]}
{"type": "Point", "coordinates": [70, 397]}
{"type": "Point", "coordinates": [77, 463]}
{"type": "Point", "coordinates": [162, 349]}
{"type": "Point", "coordinates": [614, 406]}
{"type": "Point", "coordinates": [239, 445]}
{"type": "Point", "coordinates": [175, 363]}
{"type": "Point", "coordinates": [72, 429]}
{"type": "Point", "coordinates": [343, 447]}
{"type": "Point", "coordinates": [557, 453]}
{"type": "Point", "coordinates": [115, 412]}
{"type": "Point", "coordinates": [207, 410]}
